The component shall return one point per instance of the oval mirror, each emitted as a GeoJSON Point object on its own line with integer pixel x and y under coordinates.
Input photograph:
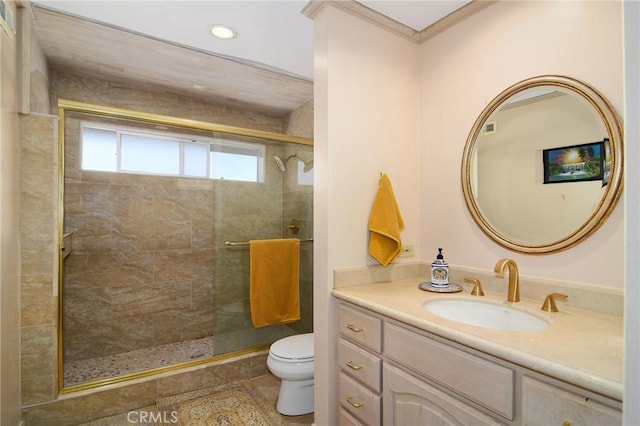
{"type": "Point", "coordinates": [542, 168]}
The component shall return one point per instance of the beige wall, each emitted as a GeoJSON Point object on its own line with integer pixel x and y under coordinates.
{"type": "Point", "coordinates": [385, 104]}
{"type": "Point", "coordinates": [580, 39]}
{"type": "Point", "coordinates": [366, 122]}
{"type": "Point", "coordinates": [9, 229]}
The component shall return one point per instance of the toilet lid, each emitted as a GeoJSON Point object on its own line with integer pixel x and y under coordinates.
{"type": "Point", "coordinates": [298, 347]}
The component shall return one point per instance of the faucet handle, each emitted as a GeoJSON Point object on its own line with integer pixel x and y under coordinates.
{"type": "Point", "coordinates": [549, 304]}
{"type": "Point", "coordinates": [477, 287]}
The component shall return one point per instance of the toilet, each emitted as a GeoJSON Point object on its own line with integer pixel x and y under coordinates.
{"type": "Point", "coordinates": [292, 360]}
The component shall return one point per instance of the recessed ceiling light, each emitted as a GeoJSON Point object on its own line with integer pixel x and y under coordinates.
{"type": "Point", "coordinates": [222, 31]}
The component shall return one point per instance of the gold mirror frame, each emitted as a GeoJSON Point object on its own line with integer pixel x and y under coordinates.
{"type": "Point", "coordinates": [607, 203]}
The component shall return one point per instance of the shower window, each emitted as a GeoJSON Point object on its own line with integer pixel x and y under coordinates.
{"type": "Point", "coordinates": [237, 161]}
{"type": "Point", "coordinates": [99, 148]}
{"type": "Point", "coordinates": [149, 154]}
{"type": "Point", "coordinates": [127, 150]}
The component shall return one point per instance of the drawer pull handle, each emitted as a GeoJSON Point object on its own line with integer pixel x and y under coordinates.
{"type": "Point", "coordinates": [352, 365]}
{"type": "Point", "coordinates": [566, 423]}
{"type": "Point", "coordinates": [354, 328]}
{"type": "Point", "coordinates": [355, 404]}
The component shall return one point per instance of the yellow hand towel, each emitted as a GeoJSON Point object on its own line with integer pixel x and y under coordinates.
{"type": "Point", "coordinates": [385, 224]}
{"type": "Point", "coordinates": [274, 276]}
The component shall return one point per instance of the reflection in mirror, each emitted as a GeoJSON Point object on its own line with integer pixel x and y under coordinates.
{"type": "Point", "coordinates": [531, 205]}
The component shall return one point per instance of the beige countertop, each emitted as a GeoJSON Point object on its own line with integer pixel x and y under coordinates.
{"type": "Point", "coordinates": [580, 347]}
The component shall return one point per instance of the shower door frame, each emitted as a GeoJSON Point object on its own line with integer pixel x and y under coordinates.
{"type": "Point", "coordinates": [65, 106]}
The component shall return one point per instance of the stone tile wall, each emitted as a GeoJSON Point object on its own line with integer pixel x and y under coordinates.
{"type": "Point", "coordinates": [38, 238]}
{"type": "Point", "coordinates": [149, 265]}
{"type": "Point", "coordinates": [298, 206]}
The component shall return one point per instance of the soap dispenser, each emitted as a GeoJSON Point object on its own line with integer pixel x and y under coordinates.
{"type": "Point", "coordinates": [440, 271]}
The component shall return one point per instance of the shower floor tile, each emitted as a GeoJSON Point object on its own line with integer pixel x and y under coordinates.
{"type": "Point", "coordinates": [89, 370]}
{"type": "Point", "coordinates": [116, 365]}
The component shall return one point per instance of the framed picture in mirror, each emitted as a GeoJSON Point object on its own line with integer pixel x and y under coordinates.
{"type": "Point", "coordinates": [574, 163]}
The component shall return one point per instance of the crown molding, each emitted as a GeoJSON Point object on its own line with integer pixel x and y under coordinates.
{"type": "Point", "coordinates": [363, 12]}
{"type": "Point", "coordinates": [455, 17]}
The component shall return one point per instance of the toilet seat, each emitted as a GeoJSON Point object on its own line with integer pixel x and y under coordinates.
{"type": "Point", "coordinates": [298, 348]}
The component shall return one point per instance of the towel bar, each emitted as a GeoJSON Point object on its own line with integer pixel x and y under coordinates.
{"type": "Point", "coordinates": [246, 243]}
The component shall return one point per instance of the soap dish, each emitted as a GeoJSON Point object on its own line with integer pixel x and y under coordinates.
{"type": "Point", "coordinates": [451, 288]}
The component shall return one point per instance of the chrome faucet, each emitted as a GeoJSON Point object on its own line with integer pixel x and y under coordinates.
{"type": "Point", "coordinates": [513, 294]}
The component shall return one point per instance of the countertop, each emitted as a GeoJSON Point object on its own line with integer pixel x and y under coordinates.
{"type": "Point", "coordinates": [580, 347]}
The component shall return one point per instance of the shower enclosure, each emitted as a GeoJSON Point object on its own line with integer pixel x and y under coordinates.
{"type": "Point", "coordinates": [155, 265]}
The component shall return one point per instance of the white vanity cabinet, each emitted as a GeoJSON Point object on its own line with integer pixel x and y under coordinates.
{"type": "Point", "coordinates": [391, 373]}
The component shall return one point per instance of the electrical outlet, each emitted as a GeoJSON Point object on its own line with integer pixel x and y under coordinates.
{"type": "Point", "coordinates": [408, 250]}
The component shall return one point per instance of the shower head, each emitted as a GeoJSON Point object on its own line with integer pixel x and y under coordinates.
{"type": "Point", "coordinates": [281, 163]}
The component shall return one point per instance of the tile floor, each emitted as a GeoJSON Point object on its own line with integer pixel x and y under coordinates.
{"type": "Point", "coordinates": [268, 385]}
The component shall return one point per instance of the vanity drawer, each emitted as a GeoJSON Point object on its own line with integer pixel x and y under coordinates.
{"type": "Point", "coordinates": [360, 364]}
{"type": "Point", "coordinates": [546, 404]}
{"type": "Point", "coordinates": [360, 327]}
{"type": "Point", "coordinates": [346, 419]}
{"type": "Point", "coordinates": [482, 381]}
{"type": "Point", "coordinates": [358, 400]}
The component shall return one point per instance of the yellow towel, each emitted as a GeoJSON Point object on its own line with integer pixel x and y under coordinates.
{"type": "Point", "coordinates": [275, 288]}
{"type": "Point", "coordinates": [385, 224]}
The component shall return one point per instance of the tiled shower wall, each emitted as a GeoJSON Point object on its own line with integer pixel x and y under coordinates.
{"type": "Point", "coordinates": [38, 234]}
{"type": "Point", "coordinates": [298, 206]}
{"type": "Point", "coordinates": [149, 265]}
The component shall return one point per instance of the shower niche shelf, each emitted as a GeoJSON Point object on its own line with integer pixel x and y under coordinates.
{"type": "Point", "coordinates": [67, 244]}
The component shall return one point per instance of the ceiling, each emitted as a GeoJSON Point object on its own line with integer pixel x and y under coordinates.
{"type": "Point", "coordinates": [167, 45]}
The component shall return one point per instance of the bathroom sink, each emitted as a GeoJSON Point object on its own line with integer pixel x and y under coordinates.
{"type": "Point", "coordinates": [487, 315]}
